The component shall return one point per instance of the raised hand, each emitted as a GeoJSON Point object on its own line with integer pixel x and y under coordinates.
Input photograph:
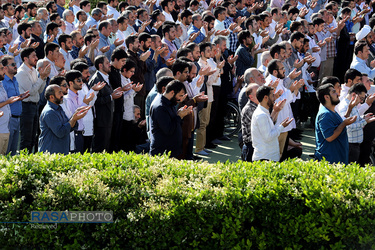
{"type": "Point", "coordinates": [50, 39]}
{"type": "Point", "coordinates": [279, 105]}
{"type": "Point", "coordinates": [231, 59]}
{"type": "Point", "coordinates": [13, 99]}
{"type": "Point", "coordinates": [145, 56]}
{"type": "Point", "coordinates": [137, 87]}
{"type": "Point", "coordinates": [201, 97]}
{"type": "Point", "coordinates": [88, 99]}
{"type": "Point", "coordinates": [118, 42]}
{"type": "Point", "coordinates": [104, 49]}
{"type": "Point", "coordinates": [117, 93]}
{"type": "Point", "coordinates": [350, 120]}
{"type": "Point", "coordinates": [286, 122]}
{"type": "Point", "coordinates": [98, 86]}
{"type": "Point", "coordinates": [184, 111]}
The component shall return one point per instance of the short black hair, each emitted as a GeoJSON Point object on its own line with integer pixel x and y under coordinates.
{"type": "Point", "coordinates": [50, 47]}
{"type": "Point", "coordinates": [243, 35]}
{"type": "Point", "coordinates": [163, 82]}
{"type": "Point", "coordinates": [63, 38]}
{"type": "Point", "coordinates": [351, 74]}
{"type": "Point", "coordinates": [57, 80]}
{"type": "Point", "coordinates": [263, 91]}
{"type": "Point", "coordinates": [80, 66]}
{"type": "Point", "coordinates": [71, 75]}
{"type": "Point", "coordinates": [175, 86]}
{"type": "Point", "coordinates": [296, 36]}
{"type": "Point", "coordinates": [358, 89]}
{"type": "Point", "coordinates": [129, 64]}
{"type": "Point", "coordinates": [322, 91]}
{"type": "Point", "coordinates": [143, 37]}
{"type": "Point", "coordinates": [99, 60]}
{"type": "Point", "coordinates": [118, 54]}
{"type": "Point", "coordinates": [358, 47]}
{"type": "Point", "coordinates": [51, 26]}
{"type": "Point", "coordinates": [23, 27]}
{"type": "Point", "coordinates": [276, 48]}
{"type": "Point", "coordinates": [130, 40]}
{"type": "Point", "coordinates": [272, 65]}
{"type": "Point", "coordinates": [330, 79]}
{"type": "Point", "coordinates": [83, 3]}
{"type": "Point", "coordinates": [26, 52]}
{"type": "Point", "coordinates": [183, 52]}
{"type": "Point", "coordinates": [179, 66]}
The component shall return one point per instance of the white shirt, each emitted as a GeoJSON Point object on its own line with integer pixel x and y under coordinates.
{"type": "Point", "coordinates": [128, 100]}
{"type": "Point", "coordinates": [69, 28]}
{"type": "Point", "coordinates": [76, 9]}
{"type": "Point", "coordinates": [121, 36]}
{"type": "Point", "coordinates": [129, 31]}
{"type": "Point", "coordinates": [113, 11]}
{"type": "Point", "coordinates": [362, 108]}
{"type": "Point", "coordinates": [88, 120]}
{"type": "Point", "coordinates": [28, 80]}
{"type": "Point", "coordinates": [168, 16]}
{"type": "Point", "coordinates": [68, 59]}
{"type": "Point", "coordinates": [54, 71]}
{"type": "Point", "coordinates": [105, 77]}
{"type": "Point", "coordinates": [212, 79]}
{"type": "Point", "coordinates": [265, 135]}
{"type": "Point", "coordinates": [286, 112]}
{"type": "Point", "coordinates": [185, 29]}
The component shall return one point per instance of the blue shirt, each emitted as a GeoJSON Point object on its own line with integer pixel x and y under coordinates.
{"type": "Point", "coordinates": [362, 67]}
{"type": "Point", "coordinates": [325, 124]}
{"type": "Point", "coordinates": [12, 89]}
{"type": "Point", "coordinates": [103, 42]}
{"type": "Point", "coordinates": [149, 99]}
{"type": "Point", "coordinates": [60, 10]}
{"type": "Point", "coordinates": [75, 53]}
{"type": "Point", "coordinates": [244, 61]}
{"type": "Point", "coordinates": [199, 38]}
{"type": "Point", "coordinates": [165, 127]}
{"type": "Point", "coordinates": [55, 129]}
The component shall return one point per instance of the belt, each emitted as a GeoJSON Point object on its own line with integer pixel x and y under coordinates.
{"type": "Point", "coordinates": [79, 132]}
{"type": "Point", "coordinates": [16, 116]}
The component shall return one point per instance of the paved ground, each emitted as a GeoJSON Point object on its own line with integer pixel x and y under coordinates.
{"type": "Point", "coordinates": [230, 150]}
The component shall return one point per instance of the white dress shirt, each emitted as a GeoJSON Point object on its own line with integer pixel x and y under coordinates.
{"type": "Point", "coordinates": [88, 120]}
{"type": "Point", "coordinates": [128, 100]}
{"type": "Point", "coordinates": [69, 27]}
{"type": "Point", "coordinates": [113, 11]}
{"type": "Point", "coordinates": [286, 112]}
{"type": "Point", "coordinates": [168, 16]}
{"type": "Point", "coordinates": [265, 135]}
{"type": "Point", "coordinates": [54, 71]}
{"type": "Point", "coordinates": [212, 78]}
{"type": "Point", "coordinates": [120, 35]}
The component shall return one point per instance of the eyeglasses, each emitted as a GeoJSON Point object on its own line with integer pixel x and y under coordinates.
{"type": "Point", "coordinates": [79, 80]}
{"type": "Point", "coordinates": [64, 85]}
{"type": "Point", "coordinates": [12, 64]}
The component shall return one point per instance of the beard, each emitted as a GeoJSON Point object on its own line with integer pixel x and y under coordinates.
{"type": "Point", "coordinates": [280, 75]}
{"type": "Point", "coordinates": [2, 77]}
{"type": "Point", "coordinates": [335, 102]}
{"type": "Point", "coordinates": [174, 100]}
{"type": "Point", "coordinates": [58, 101]}
{"type": "Point", "coordinates": [270, 104]}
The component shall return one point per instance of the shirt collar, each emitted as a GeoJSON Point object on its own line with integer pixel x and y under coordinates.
{"type": "Point", "coordinates": [105, 77]}
{"type": "Point", "coordinates": [53, 105]}
{"type": "Point", "coordinates": [264, 109]}
{"type": "Point", "coordinates": [360, 60]}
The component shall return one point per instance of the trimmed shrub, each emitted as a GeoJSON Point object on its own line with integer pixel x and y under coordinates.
{"type": "Point", "coordinates": [159, 202]}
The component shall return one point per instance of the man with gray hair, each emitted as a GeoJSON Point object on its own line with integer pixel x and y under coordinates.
{"type": "Point", "coordinates": [265, 58]}
{"type": "Point", "coordinates": [251, 75]}
{"type": "Point", "coordinates": [153, 92]}
{"type": "Point", "coordinates": [94, 19]}
{"type": "Point", "coordinates": [69, 17]}
{"type": "Point", "coordinates": [129, 15]}
{"type": "Point", "coordinates": [42, 14]}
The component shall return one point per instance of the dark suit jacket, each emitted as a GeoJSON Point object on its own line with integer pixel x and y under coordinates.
{"type": "Point", "coordinates": [148, 29]}
{"type": "Point", "coordinates": [40, 49]}
{"type": "Point", "coordinates": [115, 82]}
{"type": "Point", "coordinates": [104, 105]}
{"type": "Point", "coordinates": [139, 74]}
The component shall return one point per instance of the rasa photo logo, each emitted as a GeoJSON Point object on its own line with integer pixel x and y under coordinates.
{"type": "Point", "coordinates": [71, 217]}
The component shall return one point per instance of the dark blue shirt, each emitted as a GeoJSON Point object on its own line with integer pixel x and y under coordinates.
{"type": "Point", "coordinates": [150, 75]}
{"type": "Point", "coordinates": [75, 53]}
{"type": "Point", "coordinates": [165, 127]}
{"type": "Point", "coordinates": [55, 129]}
{"type": "Point", "coordinates": [325, 124]}
{"type": "Point", "coordinates": [199, 38]}
{"type": "Point", "coordinates": [12, 89]}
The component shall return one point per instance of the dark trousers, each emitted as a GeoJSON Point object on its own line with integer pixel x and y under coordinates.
{"type": "Point", "coordinates": [87, 143]}
{"type": "Point", "coordinates": [29, 126]}
{"type": "Point", "coordinates": [211, 130]}
{"type": "Point", "coordinates": [78, 142]}
{"type": "Point", "coordinates": [247, 152]}
{"type": "Point", "coordinates": [189, 153]}
{"type": "Point", "coordinates": [126, 143]}
{"type": "Point", "coordinates": [101, 139]}
{"type": "Point", "coordinates": [354, 150]}
{"type": "Point", "coordinates": [115, 144]}
{"type": "Point", "coordinates": [222, 110]}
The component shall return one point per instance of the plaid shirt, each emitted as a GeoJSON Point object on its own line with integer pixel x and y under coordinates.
{"type": "Point", "coordinates": [233, 41]}
{"type": "Point", "coordinates": [246, 115]}
{"type": "Point", "coordinates": [331, 46]}
{"type": "Point", "coordinates": [355, 130]}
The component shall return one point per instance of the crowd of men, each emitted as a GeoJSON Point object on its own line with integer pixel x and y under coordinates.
{"type": "Point", "coordinates": [149, 76]}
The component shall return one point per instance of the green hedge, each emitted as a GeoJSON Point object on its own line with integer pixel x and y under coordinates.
{"type": "Point", "coordinates": [163, 203]}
